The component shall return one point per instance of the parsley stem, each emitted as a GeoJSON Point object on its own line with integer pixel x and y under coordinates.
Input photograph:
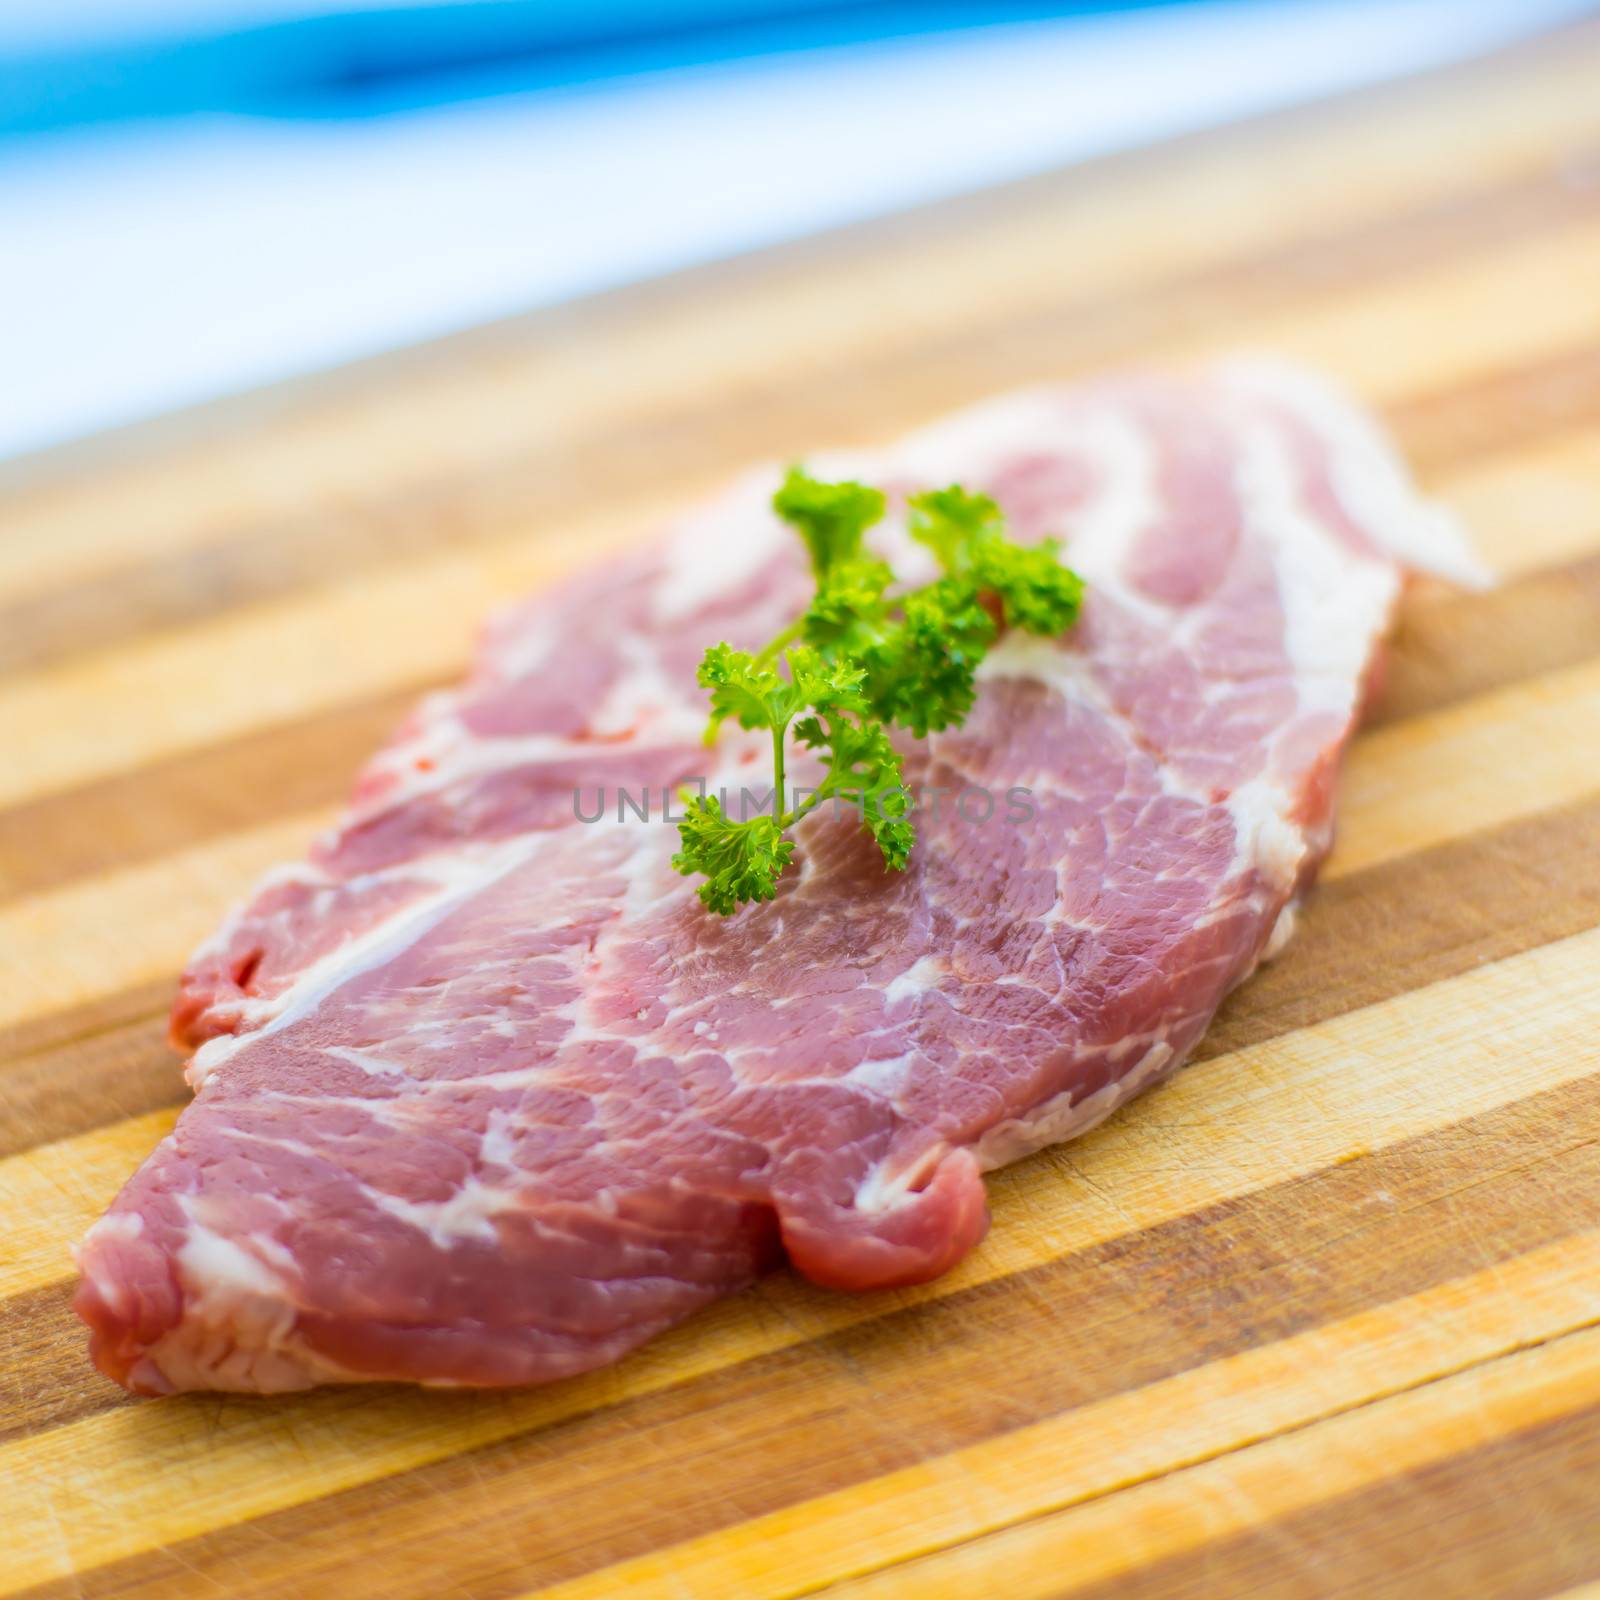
{"type": "Point", "coordinates": [778, 735]}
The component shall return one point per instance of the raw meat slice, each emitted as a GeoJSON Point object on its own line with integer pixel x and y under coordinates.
{"type": "Point", "coordinates": [484, 1096]}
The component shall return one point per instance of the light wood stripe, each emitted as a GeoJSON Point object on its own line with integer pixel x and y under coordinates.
{"type": "Point", "coordinates": [1116, 227]}
{"type": "Point", "coordinates": [1418, 783]}
{"type": "Point", "coordinates": [52, 1193]}
{"type": "Point", "coordinates": [1464, 320]}
{"type": "Point", "coordinates": [1485, 1049]}
{"type": "Point", "coordinates": [1377, 1443]}
{"type": "Point", "coordinates": [1157, 1430]}
{"type": "Point", "coordinates": [1539, 508]}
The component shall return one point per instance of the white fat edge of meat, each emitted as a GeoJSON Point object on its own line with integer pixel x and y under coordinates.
{"type": "Point", "coordinates": [1036, 659]}
{"type": "Point", "coordinates": [205, 1356]}
{"type": "Point", "coordinates": [720, 547]}
{"type": "Point", "coordinates": [1366, 471]}
{"type": "Point", "coordinates": [1265, 839]}
{"type": "Point", "coordinates": [973, 443]}
{"type": "Point", "coordinates": [457, 877]}
{"type": "Point", "coordinates": [1126, 501]}
{"type": "Point", "coordinates": [1282, 931]}
{"type": "Point", "coordinates": [1336, 603]}
{"type": "Point", "coordinates": [1063, 1116]}
{"type": "Point", "coordinates": [238, 1325]}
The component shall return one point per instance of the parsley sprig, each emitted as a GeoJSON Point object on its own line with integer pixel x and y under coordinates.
{"type": "Point", "coordinates": [863, 656]}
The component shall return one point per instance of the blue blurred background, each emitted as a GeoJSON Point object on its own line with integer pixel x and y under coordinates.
{"type": "Point", "coordinates": [200, 196]}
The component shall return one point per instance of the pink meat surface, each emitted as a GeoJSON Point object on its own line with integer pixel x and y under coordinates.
{"type": "Point", "coordinates": [484, 1096]}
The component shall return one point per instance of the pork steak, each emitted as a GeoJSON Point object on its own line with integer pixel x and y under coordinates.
{"type": "Point", "coordinates": [483, 1095]}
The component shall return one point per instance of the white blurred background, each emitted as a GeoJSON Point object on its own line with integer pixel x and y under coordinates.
{"type": "Point", "coordinates": [200, 198]}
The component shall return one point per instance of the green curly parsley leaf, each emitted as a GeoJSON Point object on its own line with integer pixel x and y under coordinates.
{"type": "Point", "coordinates": [1036, 592]}
{"type": "Point", "coordinates": [954, 524]}
{"type": "Point", "coordinates": [860, 659]}
{"type": "Point", "coordinates": [921, 673]}
{"type": "Point", "coordinates": [743, 688]}
{"type": "Point", "coordinates": [741, 861]}
{"type": "Point", "coordinates": [830, 517]}
{"type": "Point", "coordinates": [967, 533]}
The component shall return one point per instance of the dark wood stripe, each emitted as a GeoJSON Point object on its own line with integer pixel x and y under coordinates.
{"type": "Point", "coordinates": [620, 1480]}
{"type": "Point", "coordinates": [1459, 646]}
{"type": "Point", "coordinates": [123, 1071]}
{"type": "Point", "coordinates": [1445, 652]}
{"type": "Point", "coordinates": [1514, 1517]}
{"type": "Point", "coordinates": [56, 1030]}
{"type": "Point", "coordinates": [1404, 924]}
{"type": "Point", "coordinates": [45, 1379]}
{"type": "Point", "coordinates": [1503, 412]}
{"type": "Point", "coordinates": [650, 456]}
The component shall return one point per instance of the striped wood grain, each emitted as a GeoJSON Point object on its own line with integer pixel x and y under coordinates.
{"type": "Point", "coordinates": [1320, 1314]}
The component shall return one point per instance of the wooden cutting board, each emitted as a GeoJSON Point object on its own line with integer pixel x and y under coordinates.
{"type": "Point", "coordinates": [1323, 1314]}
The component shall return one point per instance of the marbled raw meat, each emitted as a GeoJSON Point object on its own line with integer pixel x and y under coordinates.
{"type": "Point", "coordinates": [484, 1096]}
